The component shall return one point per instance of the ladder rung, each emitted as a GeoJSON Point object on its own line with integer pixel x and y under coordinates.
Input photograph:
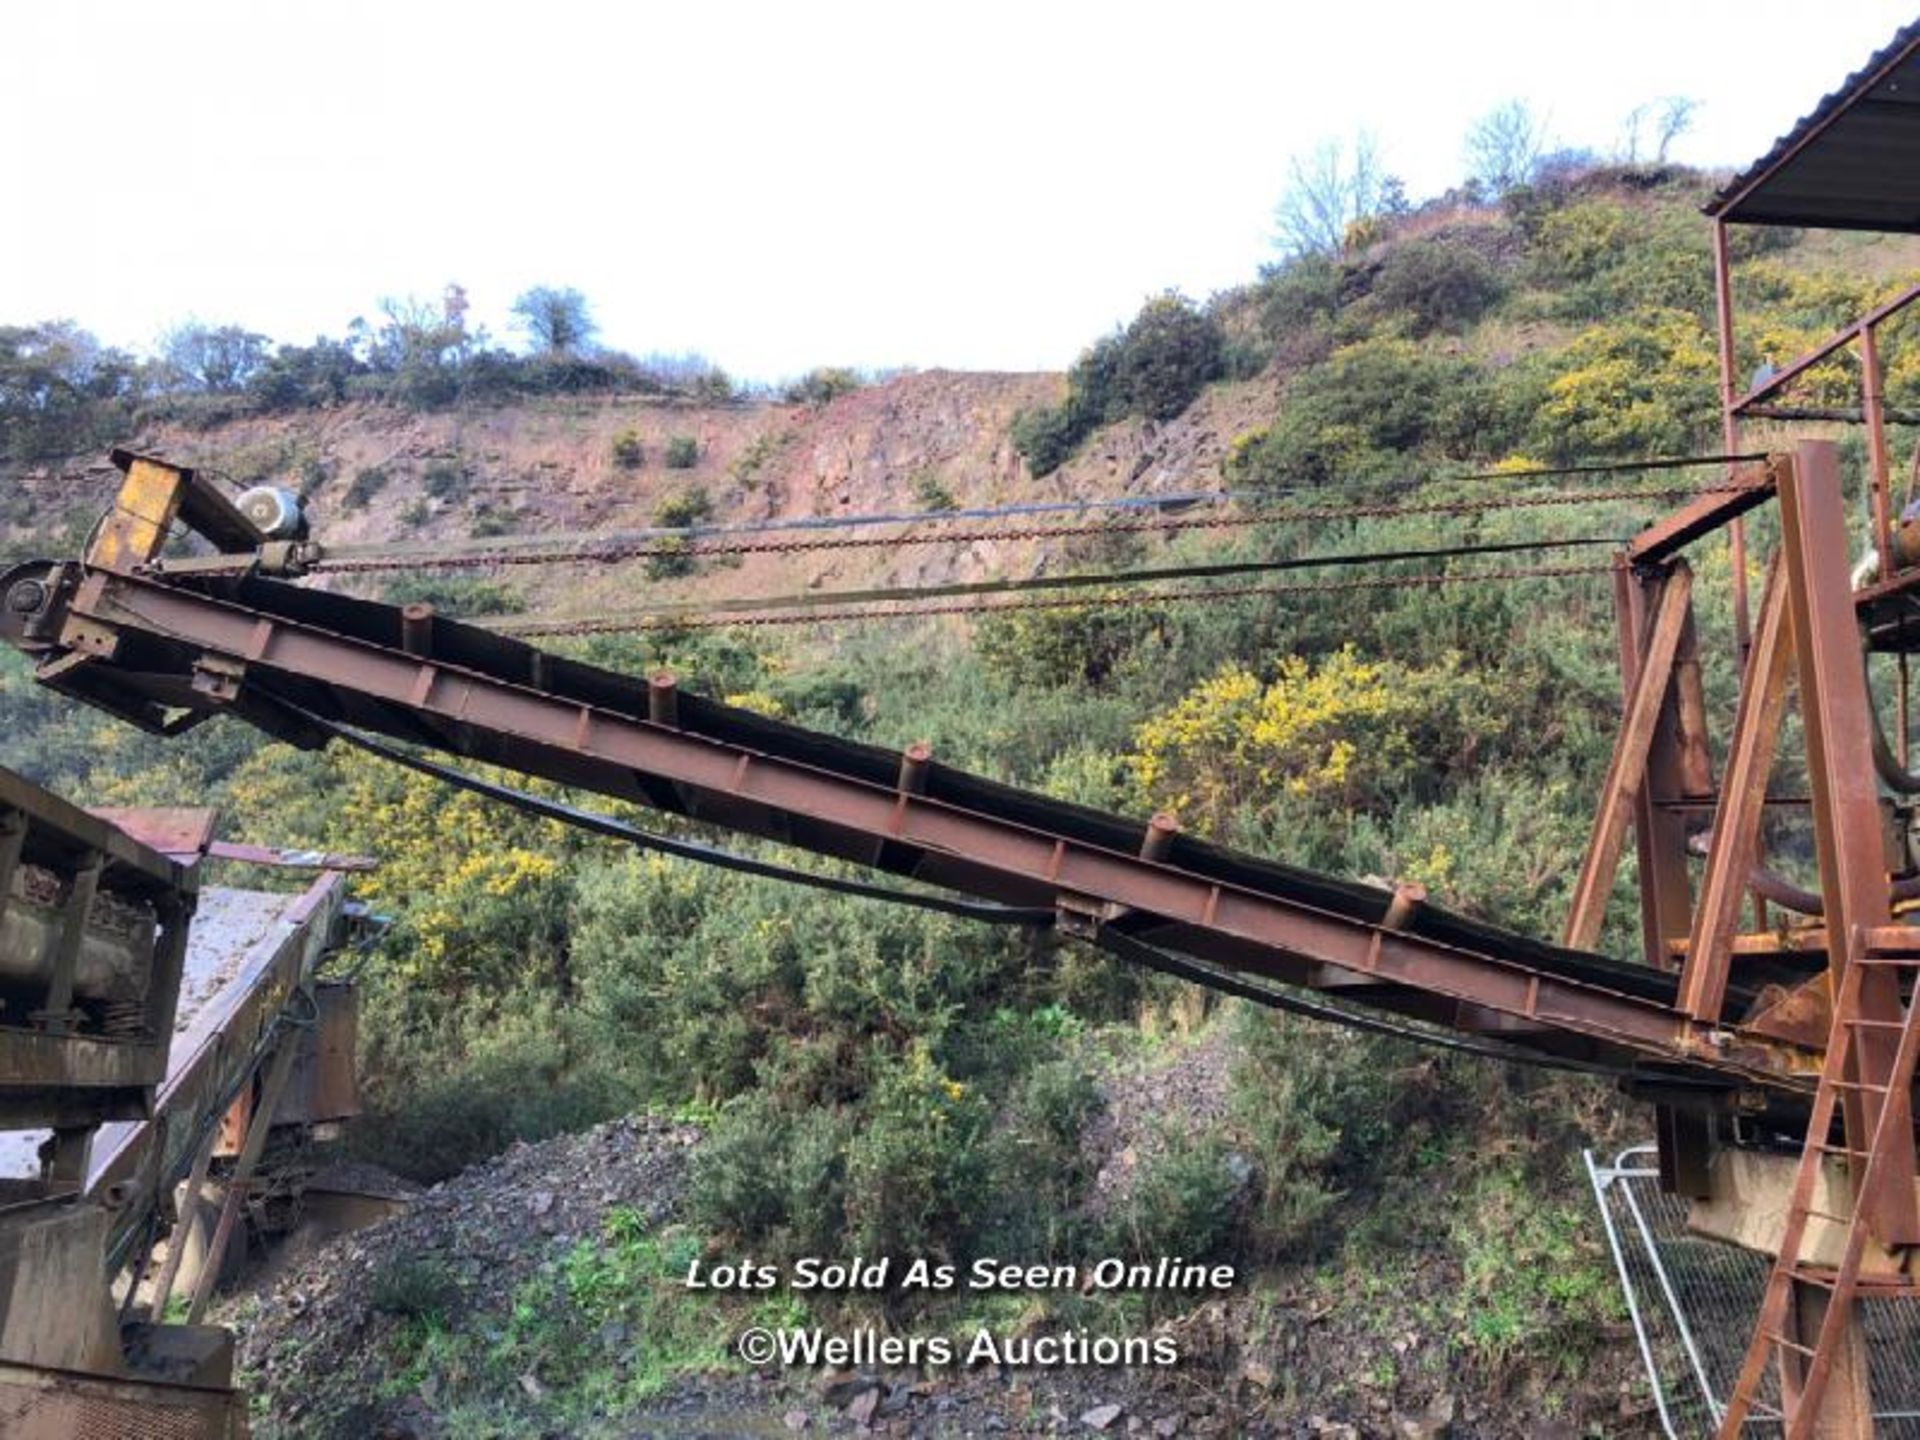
{"type": "Point", "coordinates": [1789, 1344]}
{"type": "Point", "coordinates": [1866, 1024]}
{"type": "Point", "coordinates": [1828, 1215]}
{"type": "Point", "coordinates": [1828, 1148]}
{"type": "Point", "coordinates": [1861, 1085]}
{"type": "Point", "coordinates": [1885, 1286]}
{"type": "Point", "coordinates": [1870, 1286]}
{"type": "Point", "coordinates": [1891, 962]}
{"type": "Point", "coordinates": [1825, 1279]}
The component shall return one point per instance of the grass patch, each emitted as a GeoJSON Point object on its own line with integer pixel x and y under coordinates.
{"type": "Point", "coordinates": [599, 1330]}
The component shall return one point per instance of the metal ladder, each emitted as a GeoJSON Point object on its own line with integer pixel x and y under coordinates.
{"type": "Point", "coordinates": [1800, 1406]}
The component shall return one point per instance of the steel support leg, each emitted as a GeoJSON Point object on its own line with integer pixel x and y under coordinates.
{"type": "Point", "coordinates": [275, 1084]}
{"type": "Point", "coordinates": [1836, 708]}
{"type": "Point", "coordinates": [1649, 698]}
{"type": "Point", "coordinates": [1736, 823]}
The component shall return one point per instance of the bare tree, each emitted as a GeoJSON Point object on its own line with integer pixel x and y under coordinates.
{"type": "Point", "coordinates": [1329, 190]}
{"type": "Point", "coordinates": [1504, 146]}
{"type": "Point", "coordinates": [1672, 118]}
{"type": "Point", "coordinates": [1658, 123]}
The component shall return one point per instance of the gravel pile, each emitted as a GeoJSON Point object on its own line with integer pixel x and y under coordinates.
{"type": "Point", "coordinates": [482, 1233]}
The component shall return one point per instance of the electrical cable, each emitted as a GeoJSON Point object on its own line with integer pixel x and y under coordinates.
{"type": "Point", "coordinates": [1895, 776]}
{"type": "Point", "coordinates": [1116, 943]}
{"type": "Point", "coordinates": [596, 823]}
{"type": "Point", "coordinates": [827, 599]}
{"type": "Point", "coordinates": [1227, 982]}
{"type": "Point", "coordinates": [532, 627]}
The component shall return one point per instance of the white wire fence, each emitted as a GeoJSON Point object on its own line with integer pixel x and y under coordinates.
{"type": "Point", "coordinates": [1693, 1300]}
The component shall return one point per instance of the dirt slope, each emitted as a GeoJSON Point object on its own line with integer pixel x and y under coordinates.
{"type": "Point", "coordinates": [376, 473]}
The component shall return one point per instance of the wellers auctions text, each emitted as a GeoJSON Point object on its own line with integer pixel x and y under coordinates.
{"type": "Point", "coordinates": [885, 1273]}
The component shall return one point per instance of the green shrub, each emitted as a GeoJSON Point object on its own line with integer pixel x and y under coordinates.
{"type": "Point", "coordinates": [628, 453]}
{"type": "Point", "coordinates": [1183, 1200]}
{"type": "Point", "coordinates": [901, 1170]}
{"type": "Point", "coordinates": [773, 1176]}
{"type": "Point", "coordinates": [916, 1177]}
{"type": "Point", "coordinates": [1154, 368]}
{"type": "Point", "coordinates": [1643, 384]}
{"type": "Point", "coordinates": [682, 453]}
{"type": "Point", "coordinates": [454, 595]}
{"type": "Point", "coordinates": [1370, 407]}
{"type": "Point", "coordinates": [821, 386]}
{"type": "Point", "coordinates": [490, 522]}
{"type": "Point", "coordinates": [1071, 646]}
{"type": "Point", "coordinates": [1298, 296]}
{"type": "Point", "coordinates": [931, 494]}
{"type": "Point", "coordinates": [682, 511]}
{"type": "Point", "coordinates": [760, 451]}
{"type": "Point", "coordinates": [1167, 356]}
{"type": "Point", "coordinates": [1039, 1162]}
{"type": "Point", "coordinates": [1604, 256]}
{"type": "Point", "coordinates": [446, 1093]}
{"type": "Point", "coordinates": [365, 486]}
{"type": "Point", "coordinates": [1045, 437]}
{"type": "Point", "coordinates": [1437, 286]}
{"type": "Point", "coordinates": [444, 480]}
{"type": "Point", "coordinates": [413, 1288]}
{"type": "Point", "coordinates": [738, 1183]}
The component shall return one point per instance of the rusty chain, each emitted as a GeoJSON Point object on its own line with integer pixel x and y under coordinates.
{"type": "Point", "coordinates": [619, 625]}
{"type": "Point", "coordinates": [614, 551]}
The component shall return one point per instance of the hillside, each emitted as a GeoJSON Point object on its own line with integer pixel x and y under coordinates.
{"type": "Point", "coordinates": [910, 443]}
{"type": "Point", "coordinates": [781, 1074]}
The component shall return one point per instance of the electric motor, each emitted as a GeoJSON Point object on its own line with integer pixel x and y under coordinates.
{"type": "Point", "coordinates": [275, 513]}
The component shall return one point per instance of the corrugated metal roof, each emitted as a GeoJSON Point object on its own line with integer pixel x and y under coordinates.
{"type": "Point", "coordinates": [1852, 164]}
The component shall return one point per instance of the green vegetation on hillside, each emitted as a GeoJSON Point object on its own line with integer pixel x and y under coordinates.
{"type": "Point", "coordinates": [1153, 368]}
{"type": "Point", "coordinates": [63, 392]}
{"type": "Point", "coordinates": [891, 1080]}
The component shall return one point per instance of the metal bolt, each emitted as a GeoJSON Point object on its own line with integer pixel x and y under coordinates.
{"type": "Point", "coordinates": [27, 597]}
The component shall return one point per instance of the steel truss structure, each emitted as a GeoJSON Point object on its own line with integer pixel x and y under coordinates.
{"type": "Point", "coordinates": [1730, 1034]}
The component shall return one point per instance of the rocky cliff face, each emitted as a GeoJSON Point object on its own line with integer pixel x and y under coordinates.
{"type": "Point", "coordinates": [912, 443]}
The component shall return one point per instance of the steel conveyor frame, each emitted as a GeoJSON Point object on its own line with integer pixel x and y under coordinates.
{"type": "Point", "coordinates": [169, 651]}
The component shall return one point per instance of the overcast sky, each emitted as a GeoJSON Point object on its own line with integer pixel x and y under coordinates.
{"type": "Point", "coordinates": [984, 185]}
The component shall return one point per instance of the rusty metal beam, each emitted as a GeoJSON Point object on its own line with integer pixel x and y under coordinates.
{"type": "Point", "coordinates": [1854, 884]}
{"type": "Point", "coordinates": [1746, 489]}
{"type": "Point", "coordinates": [55, 1016]}
{"type": "Point", "coordinates": [1660, 833]}
{"type": "Point", "coordinates": [586, 743]}
{"type": "Point", "coordinates": [272, 1087]}
{"type": "Point", "coordinates": [189, 1209]}
{"type": "Point", "coordinates": [1879, 468]}
{"type": "Point", "coordinates": [1781, 378]}
{"type": "Point", "coordinates": [1627, 770]}
{"type": "Point", "coordinates": [1730, 427]}
{"type": "Point", "coordinates": [1736, 826]}
{"type": "Point", "coordinates": [1691, 756]}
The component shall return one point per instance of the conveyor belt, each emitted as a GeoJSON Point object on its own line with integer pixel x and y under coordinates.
{"type": "Point", "coordinates": [254, 646]}
{"type": "Point", "coordinates": [494, 654]}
